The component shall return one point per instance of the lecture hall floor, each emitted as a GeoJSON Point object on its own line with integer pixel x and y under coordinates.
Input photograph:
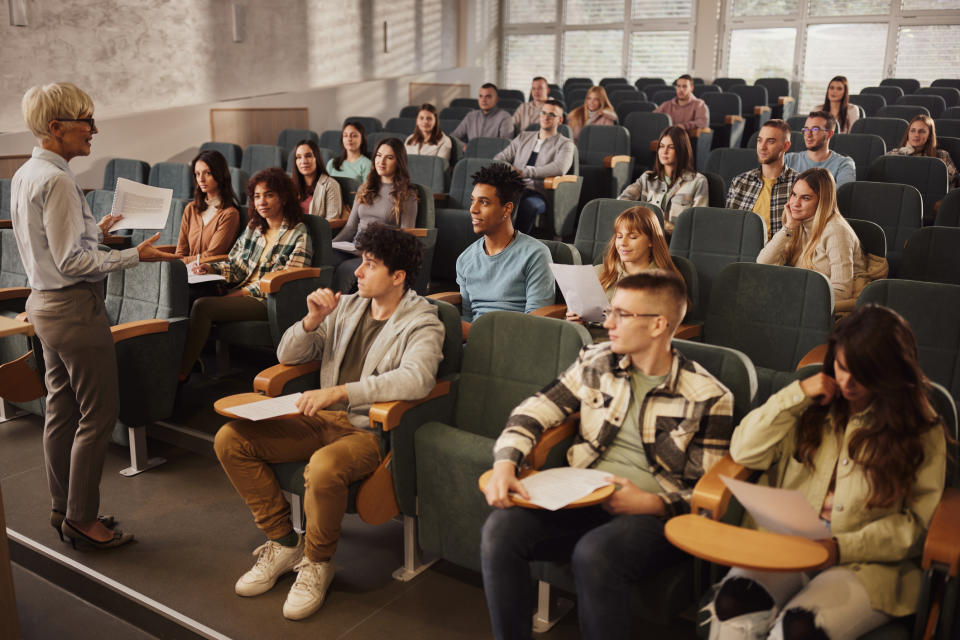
{"type": "Point", "coordinates": [194, 538]}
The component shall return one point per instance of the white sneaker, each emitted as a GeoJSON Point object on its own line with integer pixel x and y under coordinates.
{"type": "Point", "coordinates": [308, 592]}
{"type": "Point", "coordinates": [273, 560]}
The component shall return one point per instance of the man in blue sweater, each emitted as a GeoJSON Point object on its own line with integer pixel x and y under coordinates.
{"type": "Point", "coordinates": [817, 131]}
{"type": "Point", "coordinates": [504, 270]}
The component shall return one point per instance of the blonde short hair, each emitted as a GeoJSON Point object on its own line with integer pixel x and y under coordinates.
{"type": "Point", "coordinates": [40, 105]}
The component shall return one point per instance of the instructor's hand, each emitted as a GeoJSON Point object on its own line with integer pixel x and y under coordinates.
{"type": "Point", "coordinates": [107, 222]}
{"type": "Point", "coordinates": [149, 253]}
{"type": "Point", "coordinates": [502, 482]}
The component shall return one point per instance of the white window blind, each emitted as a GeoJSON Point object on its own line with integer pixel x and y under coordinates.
{"type": "Point", "coordinates": [531, 11]}
{"type": "Point", "coordinates": [647, 9]}
{"type": "Point", "coordinates": [761, 53]}
{"type": "Point", "coordinates": [849, 7]}
{"type": "Point", "coordinates": [659, 54]}
{"type": "Point", "coordinates": [852, 50]}
{"type": "Point", "coordinates": [593, 54]}
{"type": "Point", "coordinates": [594, 11]}
{"type": "Point", "coordinates": [527, 57]}
{"type": "Point", "coordinates": [765, 7]}
{"type": "Point", "coordinates": [930, 5]}
{"type": "Point", "coordinates": [927, 53]}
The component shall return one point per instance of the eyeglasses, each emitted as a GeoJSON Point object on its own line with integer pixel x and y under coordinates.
{"type": "Point", "coordinates": [806, 130]}
{"type": "Point", "coordinates": [89, 121]}
{"type": "Point", "coordinates": [549, 114]}
{"type": "Point", "coordinates": [619, 314]}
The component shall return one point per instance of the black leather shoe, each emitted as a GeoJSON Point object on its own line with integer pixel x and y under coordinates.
{"type": "Point", "coordinates": [56, 519]}
{"type": "Point", "coordinates": [119, 537]}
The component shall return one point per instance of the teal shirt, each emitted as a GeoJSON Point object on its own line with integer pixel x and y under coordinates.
{"type": "Point", "coordinates": [358, 169]}
{"type": "Point", "coordinates": [626, 456]}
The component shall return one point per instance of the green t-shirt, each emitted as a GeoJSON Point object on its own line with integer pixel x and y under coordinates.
{"type": "Point", "coordinates": [626, 456]}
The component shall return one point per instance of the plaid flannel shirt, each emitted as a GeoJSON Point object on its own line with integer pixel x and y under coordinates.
{"type": "Point", "coordinates": [745, 188]}
{"type": "Point", "coordinates": [293, 249]}
{"type": "Point", "coordinates": [685, 423]}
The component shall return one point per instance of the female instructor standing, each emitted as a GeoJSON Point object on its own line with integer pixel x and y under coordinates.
{"type": "Point", "coordinates": [57, 237]}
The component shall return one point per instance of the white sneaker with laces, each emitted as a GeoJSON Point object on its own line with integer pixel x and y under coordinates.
{"type": "Point", "coordinates": [308, 592]}
{"type": "Point", "coordinates": [273, 560]}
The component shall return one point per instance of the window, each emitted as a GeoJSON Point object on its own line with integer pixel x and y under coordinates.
{"type": "Point", "coordinates": [647, 9]}
{"type": "Point", "coordinates": [861, 48]}
{"type": "Point", "coordinates": [849, 7]}
{"type": "Point", "coordinates": [593, 54]}
{"type": "Point", "coordinates": [594, 11]}
{"type": "Point", "coordinates": [527, 55]}
{"type": "Point", "coordinates": [927, 53]}
{"type": "Point", "coordinates": [765, 7]}
{"type": "Point", "coordinates": [659, 54]}
{"type": "Point", "coordinates": [761, 53]}
{"type": "Point", "coordinates": [531, 11]}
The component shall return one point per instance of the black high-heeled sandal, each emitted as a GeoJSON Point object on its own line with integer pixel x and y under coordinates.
{"type": "Point", "coordinates": [57, 517]}
{"type": "Point", "coordinates": [119, 537]}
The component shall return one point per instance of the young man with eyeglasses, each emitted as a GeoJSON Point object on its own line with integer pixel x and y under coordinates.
{"type": "Point", "coordinates": [536, 155]}
{"type": "Point", "coordinates": [652, 418]}
{"type": "Point", "coordinates": [817, 131]}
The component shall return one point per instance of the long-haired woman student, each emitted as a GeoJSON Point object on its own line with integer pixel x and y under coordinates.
{"type": "Point", "coordinates": [863, 445]}
{"type": "Point", "coordinates": [318, 192]}
{"type": "Point", "coordinates": [210, 221]}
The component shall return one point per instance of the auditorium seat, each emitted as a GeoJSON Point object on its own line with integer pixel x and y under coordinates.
{"type": "Point", "coordinates": [455, 113]}
{"type": "Point", "coordinates": [622, 93]}
{"type": "Point", "coordinates": [410, 111]}
{"type": "Point", "coordinates": [510, 105]}
{"type": "Point", "coordinates": [232, 153]}
{"type": "Point", "coordinates": [290, 137]}
{"type": "Point", "coordinates": [869, 102]}
{"type": "Point", "coordinates": [931, 255]}
{"type": "Point", "coordinates": [563, 129]}
{"type": "Point", "coordinates": [651, 89]}
{"type": "Point", "coordinates": [782, 104]}
{"type": "Point", "coordinates": [897, 208]}
{"type": "Point", "coordinates": [700, 89]}
{"type": "Point", "coordinates": [595, 226]}
{"type": "Point", "coordinates": [608, 82]}
{"type": "Point", "coordinates": [576, 96]}
{"type": "Point", "coordinates": [644, 129]}
{"type": "Point", "coordinates": [238, 179]}
{"type": "Point", "coordinates": [100, 202]}
{"type": "Point", "coordinates": [890, 93]}
{"type": "Point", "coordinates": [907, 85]}
{"type": "Point", "coordinates": [796, 141]}
{"type": "Point", "coordinates": [331, 139]}
{"type": "Point", "coordinates": [716, 190]}
{"type": "Point", "coordinates": [864, 148]}
{"type": "Point", "coordinates": [632, 106]}
{"type": "Point", "coordinates": [727, 83]}
{"type": "Point", "coordinates": [257, 157]}
{"type": "Point", "coordinates": [729, 163]}
{"type": "Point", "coordinates": [605, 162]}
{"type": "Point", "coordinates": [950, 95]}
{"type": "Point", "coordinates": [405, 126]}
{"type": "Point", "coordinates": [946, 82]}
{"type": "Point", "coordinates": [755, 106]}
{"type": "Point", "coordinates": [429, 171]}
{"type": "Point", "coordinates": [642, 82]}
{"type": "Point", "coordinates": [136, 170]}
{"type": "Point", "coordinates": [951, 145]}
{"type": "Point", "coordinates": [725, 118]}
{"type": "Point", "coordinates": [948, 127]}
{"type": "Point", "coordinates": [903, 111]}
{"type": "Point", "coordinates": [512, 94]}
{"type": "Point", "coordinates": [485, 147]}
{"type": "Point", "coordinates": [449, 126]}
{"type": "Point", "coordinates": [576, 82]}
{"type": "Point", "coordinates": [5, 187]}
{"type": "Point", "coordinates": [470, 103]}
{"type": "Point", "coordinates": [871, 236]}
{"type": "Point", "coordinates": [928, 175]}
{"type": "Point", "coordinates": [375, 138]}
{"type": "Point", "coordinates": [369, 123]}
{"type": "Point", "coordinates": [948, 215]}
{"type": "Point", "coordinates": [797, 123]}
{"type": "Point", "coordinates": [663, 95]}
{"type": "Point", "coordinates": [172, 175]}
{"type": "Point", "coordinates": [935, 105]}
{"type": "Point", "coordinates": [890, 129]}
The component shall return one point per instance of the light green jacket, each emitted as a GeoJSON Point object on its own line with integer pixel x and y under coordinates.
{"type": "Point", "coordinates": [882, 546]}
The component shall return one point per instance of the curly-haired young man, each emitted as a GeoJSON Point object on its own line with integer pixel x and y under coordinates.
{"type": "Point", "coordinates": [381, 344]}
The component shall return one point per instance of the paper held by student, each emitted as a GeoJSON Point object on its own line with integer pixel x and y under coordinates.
{"type": "Point", "coordinates": [582, 290]}
{"type": "Point", "coordinates": [783, 511]}
{"type": "Point", "coordinates": [556, 488]}
{"type": "Point", "coordinates": [279, 407]}
{"type": "Point", "coordinates": [142, 206]}
{"type": "Point", "coordinates": [196, 278]}
{"type": "Point", "coordinates": [345, 246]}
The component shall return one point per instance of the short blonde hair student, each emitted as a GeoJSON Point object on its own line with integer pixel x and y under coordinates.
{"type": "Point", "coordinates": [56, 101]}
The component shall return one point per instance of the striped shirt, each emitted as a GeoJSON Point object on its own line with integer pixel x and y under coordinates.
{"type": "Point", "coordinates": [293, 249]}
{"type": "Point", "coordinates": [685, 422]}
{"type": "Point", "coordinates": [745, 188]}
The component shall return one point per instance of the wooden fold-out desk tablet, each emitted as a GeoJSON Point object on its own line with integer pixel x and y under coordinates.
{"type": "Point", "coordinates": [223, 406]}
{"type": "Point", "coordinates": [598, 496]}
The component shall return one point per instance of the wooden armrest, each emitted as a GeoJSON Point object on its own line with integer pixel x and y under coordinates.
{"type": "Point", "coordinates": [20, 382]}
{"type": "Point", "coordinates": [6, 224]}
{"type": "Point", "coordinates": [711, 496]}
{"type": "Point", "coordinates": [389, 414]}
{"type": "Point", "coordinates": [696, 133]}
{"type": "Point", "coordinates": [552, 183]}
{"type": "Point", "coordinates": [732, 119]}
{"type": "Point", "coordinates": [128, 330]}
{"type": "Point", "coordinates": [814, 356]}
{"type": "Point", "coordinates": [551, 438]}
{"type": "Point", "coordinates": [337, 223]}
{"type": "Point", "coordinates": [688, 331]}
{"type": "Point", "coordinates": [551, 311]}
{"type": "Point", "coordinates": [784, 99]}
{"type": "Point", "coordinates": [166, 248]}
{"type": "Point", "coordinates": [272, 282]}
{"type": "Point", "coordinates": [415, 232]}
{"type": "Point", "coordinates": [465, 329]}
{"type": "Point", "coordinates": [942, 546]}
{"type": "Point", "coordinates": [439, 197]}
{"type": "Point", "coordinates": [220, 257]}
{"type": "Point", "coordinates": [14, 293]}
{"type": "Point", "coordinates": [611, 161]}
{"type": "Point", "coordinates": [450, 297]}
{"type": "Point", "coordinates": [116, 241]}
{"type": "Point", "coordinates": [654, 145]}
{"type": "Point", "coordinates": [271, 381]}
{"type": "Point", "coordinates": [760, 109]}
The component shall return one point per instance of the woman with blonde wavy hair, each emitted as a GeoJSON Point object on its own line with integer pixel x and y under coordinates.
{"type": "Point", "coordinates": [815, 236]}
{"type": "Point", "coordinates": [595, 110]}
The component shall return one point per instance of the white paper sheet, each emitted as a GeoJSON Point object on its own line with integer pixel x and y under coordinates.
{"type": "Point", "coordinates": [783, 511]}
{"type": "Point", "coordinates": [345, 246]}
{"type": "Point", "coordinates": [142, 206]}
{"type": "Point", "coordinates": [582, 290]}
{"type": "Point", "coordinates": [269, 408]}
{"type": "Point", "coordinates": [556, 488]}
{"type": "Point", "coordinates": [195, 278]}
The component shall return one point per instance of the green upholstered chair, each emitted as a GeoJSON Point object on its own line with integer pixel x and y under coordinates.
{"type": "Point", "coordinates": [755, 105]}
{"type": "Point", "coordinates": [907, 85]}
{"type": "Point", "coordinates": [728, 83]}
{"type": "Point", "coordinates": [774, 314]}
{"type": "Point", "coordinates": [903, 111]}
{"type": "Point", "coordinates": [485, 147]}
{"type": "Point", "coordinates": [348, 190]}
{"type": "Point", "coordinates": [375, 138]}
{"type": "Point", "coordinates": [288, 138]}
{"type": "Point", "coordinates": [454, 235]}
{"type": "Point", "coordinates": [933, 311]}
{"type": "Point", "coordinates": [662, 95]}
{"type": "Point", "coordinates": [369, 123]}
{"type": "Point", "coordinates": [595, 227]}
{"type": "Point", "coordinates": [430, 171]}
{"type": "Point", "coordinates": [626, 107]}
{"type": "Point", "coordinates": [712, 238]}
{"type": "Point", "coordinates": [232, 153]}
{"type": "Point", "coordinates": [5, 198]}
{"type": "Point", "coordinates": [136, 170]}
{"type": "Point", "coordinates": [891, 129]}
{"type": "Point", "coordinates": [395, 423]}
{"type": "Point", "coordinates": [869, 102]}
{"type": "Point", "coordinates": [402, 125]}
{"type": "Point", "coordinates": [331, 139]}
{"type": "Point", "coordinates": [640, 83]}
{"type": "Point", "coordinates": [935, 105]}
{"type": "Point", "coordinates": [661, 598]}
{"type": "Point", "coordinates": [410, 111]}
{"type": "Point", "coordinates": [782, 105]}
{"type": "Point", "coordinates": [928, 175]}
{"type": "Point", "coordinates": [871, 236]}
{"type": "Point", "coordinates": [172, 175]}
{"type": "Point", "coordinates": [948, 215]}
{"type": "Point", "coordinates": [864, 148]}
{"type": "Point", "coordinates": [257, 157]}
{"type": "Point", "coordinates": [503, 363]}
{"type": "Point", "coordinates": [455, 113]}
{"type": "Point", "coordinates": [897, 208]}
{"type": "Point", "coordinates": [472, 103]}
{"type": "Point", "coordinates": [239, 178]}
{"type": "Point", "coordinates": [726, 118]}
{"type": "Point", "coordinates": [644, 131]}
{"type": "Point", "coordinates": [951, 113]}
{"type": "Point", "coordinates": [890, 93]}
{"type": "Point", "coordinates": [605, 162]}
{"type": "Point", "coordinates": [16, 355]}
{"type": "Point", "coordinates": [729, 163]}
{"type": "Point", "coordinates": [931, 255]}
{"type": "Point", "coordinates": [100, 202]}
{"type": "Point", "coordinates": [949, 127]}
{"type": "Point", "coordinates": [796, 141]}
